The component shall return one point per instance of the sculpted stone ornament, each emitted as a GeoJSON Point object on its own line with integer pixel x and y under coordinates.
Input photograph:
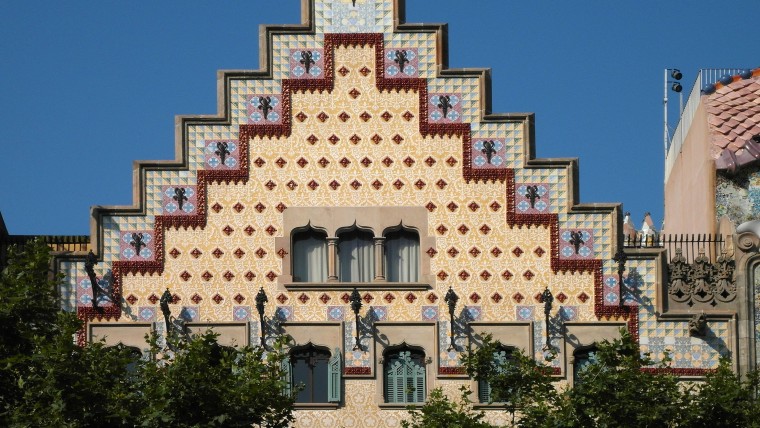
{"type": "Point", "coordinates": [725, 287]}
{"type": "Point", "coordinates": [678, 273]}
{"type": "Point", "coordinates": [307, 60]}
{"type": "Point", "coordinates": [532, 194]}
{"type": "Point", "coordinates": [576, 238]}
{"type": "Point", "coordinates": [444, 103]}
{"type": "Point", "coordinates": [701, 282]}
{"type": "Point", "coordinates": [137, 242]}
{"type": "Point", "coordinates": [698, 325]}
{"type": "Point", "coordinates": [400, 59]}
{"type": "Point", "coordinates": [265, 105]}
{"type": "Point", "coordinates": [222, 150]}
{"type": "Point", "coordinates": [489, 148]}
{"type": "Point", "coordinates": [179, 196]}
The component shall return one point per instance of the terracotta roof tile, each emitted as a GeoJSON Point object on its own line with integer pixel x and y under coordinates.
{"type": "Point", "coordinates": [733, 117]}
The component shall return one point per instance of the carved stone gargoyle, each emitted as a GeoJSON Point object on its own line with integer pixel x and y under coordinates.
{"type": "Point", "coordinates": [698, 325]}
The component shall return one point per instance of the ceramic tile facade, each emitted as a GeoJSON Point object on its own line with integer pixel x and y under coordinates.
{"type": "Point", "coordinates": [358, 145]}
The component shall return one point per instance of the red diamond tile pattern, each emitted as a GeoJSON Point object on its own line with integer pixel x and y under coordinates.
{"type": "Point", "coordinates": [355, 139]}
{"type": "Point", "coordinates": [343, 116]}
{"type": "Point", "coordinates": [473, 206]}
{"type": "Point", "coordinates": [249, 230]}
{"type": "Point", "coordinates": [389, 297]}
{"type": "Point", "coordinates": [270, 230]}
{"type": "Point", "coordinates": [355, 184]}
{"type": "Point", "coordinates": [312, 139]}
{"type": "Point", "coordinates": [485, 275]}
{"type": "Point", "coordinates": [343, 71]}
{"type": "Point", "coordinates": [386, 116]}
{"type": "Point", "coordinates": [419, 184]}
{"type": "Point", "coordinates": [259, 162]}
{"type": "Point", "coordinates": [354, 93]}
{"type": "Point", "coordinates": [432, 298]}
{"type": "Point", "coordinates": [270, 185]}
{"type": "Point", "coordinates": [452, 252]}
{"type": "Point", "coordinates": [282, 253]}
{"type": "Point", "coordinates": [281, 207]}
{"type": "Point", "coordinates": [407, 116]}
{"type": "Point", "coordinates": [302, 162]}
{"type": "Point", "coordinates": [431, 252]}
{"type": "Point", "coordinates": [217, 207]}
{"type": "Point", "coordinates": [410, 297]}
{"type": "Point", "coordinates": [153, 299]}
{"type": "Point", "coordinates": [377, 139]}
{"type": "Point", "coordinates": [517, 251]}
{"type": "Point", "coordinates": [561, 297]}
{"type": "Point", "coordinates": [312, 185]}
{"type": "Point", "coordinates": [260, 253]}
{"type": "Point", "coordinates": [398, 184]}
{"type": "Point", "coordinates": [496, 297]}
{"type": "Point", "coordinates": [207, 276]}
{"type": "Point", "coordinates": [323, 162]}
{"type": "Point", "coordinates": [260, 207]}
{"type": "Point", "coordinates": [238, 207]}
{"type": "Point", "coordinates": [495, 206]}
{"type": "Point", "coordinates": [429, 161]}
{"type": "Point", "coordinates": [131, 299]}
{"type": "Point", "coordinates": [322, 116]}
{"type": "Point", "coordinates": [303, 298]}
{"type": "Point", "coordinates": [464, 275]}
{"type": "Point", "coordinates": [345, 297]}
{"type": "Point", "coordinates": [377, 184]}
{"type": "Point", "coordinates": [496, 251]}
{"type": "Point", "coordinates": [185, 275]}
{"type": "Point", "coordinates": [217, 298]}
{"type": "Point", "coordinates": [282, 298]}
{"type": "Point", "coordinates": [528, 275]}
{"type": "Point", "coordinates": [367, 298]}
{"type": "Point", "coordinates": [324, 298]}
{"type": "Point", "coordinates": [301, 116]}
{"type": "Point", "coordinates": [387, 161]}
{"type": "Point", "coordinates": [507, 275]}
{"type": "Point", "coordinates": [409, 161]}
{"type": "Point", "coordinates": [239, 298]}
{"type": "Point", "coordinates": [517, 297]}
{"type": "Point", "coordinates": [451, 161]}
{"type": "Point", "coordinates": [475, 297]}
{"type": "Point", "coordinates": [441, 184]}
{"type": "Point", "coordinates": [228, 230]}
{"type": "Point", "coordinates": [291, 185]}
{"type": "Point", "coordinates": [398, 139]}
{"type": "Point", "coordinates": [217, 253]}
{"type": "Point", "coordinates": [280, 162]}
{"type": "Point", "coordinates": [366, 162]}
{"type": "Point", "coordinates": [174, 253]}
{"type": "Point", "coordinates": [271, 276]}
{"type": "Point", "coordinates": [442, 275]}
{"type": "Point", "coordinates": [474, 252]}
{"type": "Point", "coordinates": [583, 297]}
{"type": "Point", "coordinates": [365, 71]}
{"type": "Point", "coordinates": [250, 276]}
{"type": "Point", "coordinates": [539, 251]}
{"type": "Point", "coordinates": [334, 184]}
{"type": "Point", "coordinates": [441, 229]}
{"type": "Point", "coordinates": [196, 298]}
{"type": "Point", "coordinates": [463, 229]}
{"type": "Point", "coordinates": [229, 276]}
{"type": "Point", "coordinates": [431, 207]}
{"type": "Point", "coordinates": [452, 206]}
{"type": "Point", "coordinates": [365, 116]}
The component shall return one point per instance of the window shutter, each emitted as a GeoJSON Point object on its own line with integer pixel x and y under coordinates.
{"type": "Point", "coordinates": [286, 376]}
{"type": "Point", "coordinates": [484, 391]}
{"type": "Point", "coordinates": [334, 371]}
{"type": "Point", "coordinates": [419, 383]}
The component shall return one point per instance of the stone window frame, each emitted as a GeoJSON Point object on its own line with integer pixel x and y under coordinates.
{"type": "Point", "coordinates": [335, 220]}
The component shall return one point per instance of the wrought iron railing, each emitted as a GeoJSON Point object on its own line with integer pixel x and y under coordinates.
{"type": "Point", "coordinates": [690, 244]}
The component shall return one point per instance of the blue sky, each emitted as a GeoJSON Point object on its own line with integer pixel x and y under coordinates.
{"type": "Point", "coordinates": [90, 86]}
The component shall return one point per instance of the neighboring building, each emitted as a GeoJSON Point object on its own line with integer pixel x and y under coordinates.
{"type": "Point", "coordinates": [356, 160]}
{"type": "Point", "coordinates": [712, 190]}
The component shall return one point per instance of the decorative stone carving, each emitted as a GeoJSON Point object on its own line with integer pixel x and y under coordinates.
{"type": "Point", "coordinates": [701, 282]}
{"type": "Point", "coordinates": [698, 325]}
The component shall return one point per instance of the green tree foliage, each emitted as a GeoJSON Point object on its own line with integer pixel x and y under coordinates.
{"type": "Point", "coordinates": [47, 380]}
{"type": "Point", "coordinates": [725, 400]}
{"type": "Point", "coordinates": [439, 412]}
{"type": "Point", "coordinates": [518, 383]}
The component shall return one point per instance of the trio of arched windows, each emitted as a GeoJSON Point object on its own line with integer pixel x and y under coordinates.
{"type": "Point", "coordinates": [358, 256]}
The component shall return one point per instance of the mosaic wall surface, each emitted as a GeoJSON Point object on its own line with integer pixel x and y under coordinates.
{"type": "Point", "coordinates": [360, 118]}
{"type": "Point", "coordinates": [738, 196]}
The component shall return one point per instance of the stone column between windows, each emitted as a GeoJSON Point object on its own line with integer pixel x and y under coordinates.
{"type": "Point", "coordinates": [332, 251]}
{"type": "Point", "coordinates": [379, 259]}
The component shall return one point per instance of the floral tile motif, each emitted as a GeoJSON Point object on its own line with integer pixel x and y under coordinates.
{"type": "Point", "coordinates": [445, 108]}
{"type": "Point", "coordinates": [190, 314]}
{"type": "Point", "coordinates": [179, 200]}
{"type": "Point", "coordinates": [488, 153]}
{"type": "Point", "coordinates": [84, 290]}
{"type": "Point", "coordinates": [241, 313]}
{"type": "Point", "coordinates": [306, 64]}
{"type": "Point", "coordinates": [264, 109]}
{"type": "Point", "coordinates": [611, 290]}
{"type": "Point", "coordinates": [568, 313]}
{"type": "Point", "coordinates": [430, 313]}
{"type": "Point", "coordinates": [524, 313]}
{"type": "Point", "coordinates": [576, 244]}
{"type": "Point", "coordinates": [532, 198]}
{"type": "Point", "coordinates": [284, 313]}
{"type": "Point", "coordinates": [146, 313]}
{"type": "Point", "coordinates": [401, 62]}
{"type": "Point", "coordinates": [137, 245]}
{"type": "Point", "coordinates": [377, 313]}
{"type": "Point", "coordinates": [472, 313]}
{"type": "Point", "coordinates": [221, 154]}
{"type": "Point", "coordinates": [336, 313]}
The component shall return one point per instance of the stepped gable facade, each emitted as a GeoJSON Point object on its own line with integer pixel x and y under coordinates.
{"type": "Point", "coordinates": [355, 159]}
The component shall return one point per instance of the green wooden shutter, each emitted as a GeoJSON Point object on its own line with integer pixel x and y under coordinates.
{"type": "Point", "coordinates": [419, 382]}
{"type": "Point", "coordinates": [334, 372]}
{"type": "Point", "coordinates": [287, 377]}
{"type": "Point", "coordinates": [500, 359]}
{"type": "Point", "coordinates": [484, 391]}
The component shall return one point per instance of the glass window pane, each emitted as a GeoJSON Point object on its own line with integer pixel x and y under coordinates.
{"type": "Point", "coordinates": [309, 256]}
{"type": "Point", "coordinates": [402, 252]}
{"type": "Point", "coordinates": [356, 261]}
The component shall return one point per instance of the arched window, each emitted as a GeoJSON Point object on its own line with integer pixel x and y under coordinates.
{"type": "Point", "coordinates": [404, 376]}
{"type": "Point", "coordinates": [316, 371]}
{"type": "Point", "coordinates": [309, 256]}
{"type": "Point", "coordinates": [501, 357]}
{"type": "Point", "coordinates": [402, 256]}
{"type": "Point", "coordinates": [583, 357]}
{"type": "Point", "coordinates": [356, 261]}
